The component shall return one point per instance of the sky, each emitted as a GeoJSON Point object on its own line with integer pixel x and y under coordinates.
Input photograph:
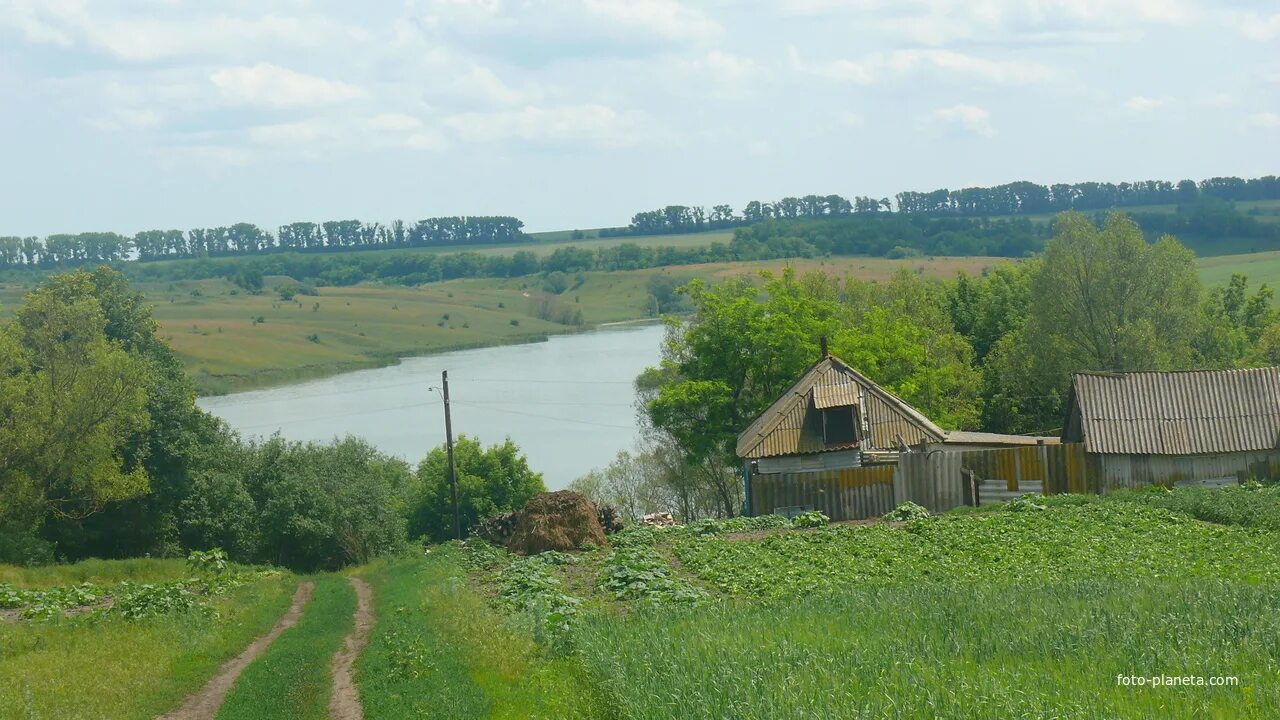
{"type": "Point", "coordinates": [142, 114]}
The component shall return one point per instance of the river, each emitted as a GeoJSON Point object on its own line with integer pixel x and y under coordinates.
{"type": "Point", "coordinates": [569, 403]}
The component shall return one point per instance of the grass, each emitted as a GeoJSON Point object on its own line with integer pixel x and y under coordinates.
{"type": "Point", "coordinates": [1262, 267]}
{"type": "Point", "coordinates": [440, 651]}
{"type": "Point", "coordinates": [939, 650]}
{"type": "Point", "coordinates": [293, 679]}
{"type": "Point", "coordinates": [109, 667]}
{"type": "Point", "coordinates": [995, 614]}
{"type": "Point", "coordinates": [138, 570]}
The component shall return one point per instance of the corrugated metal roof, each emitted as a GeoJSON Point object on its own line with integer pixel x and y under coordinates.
{"type": "Point", "coordinates": [788, 427]}
{"type": "Point", "coordinates": [838, 395]}
{"type": "Point", "coordinates": [1179, 413]}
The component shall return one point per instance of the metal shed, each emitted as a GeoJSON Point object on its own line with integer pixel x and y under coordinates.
{"type": "Point", "coordinates": [1212, 426]}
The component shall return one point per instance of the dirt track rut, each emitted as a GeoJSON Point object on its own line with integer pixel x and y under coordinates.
{"type": "Point", "coordinates": [204, 704]}
{"type": "Point", "coordinates": [344, 703]}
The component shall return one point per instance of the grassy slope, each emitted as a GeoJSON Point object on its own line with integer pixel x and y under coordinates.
{"type": "Point", "coordinates": [439, 651]}
{"type": "Point", "coordinates": [997, 614]}
{"type": "Point", "coordinates": [1263, 267]}
{"type": "Point", "coordinates": [293, 680]}
{"type": "Point", "coordinates": [115, 668]}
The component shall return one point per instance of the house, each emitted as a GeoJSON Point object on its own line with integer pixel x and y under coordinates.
{"type": "Point", "coordinates": [804, 449]}
{"type": "Point", "coordinates": [1200, 426]}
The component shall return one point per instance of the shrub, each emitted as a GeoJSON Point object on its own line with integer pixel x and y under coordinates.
{"type": "Point", "coordinates": [811, 519]}
{"type": "Point", "coordinates": [17, 548]}
{"type": "Point", "coordinates": [1031, 502]}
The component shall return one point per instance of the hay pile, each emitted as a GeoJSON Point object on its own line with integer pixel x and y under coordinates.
{"type": "Point", "coordinates": [563, 520]}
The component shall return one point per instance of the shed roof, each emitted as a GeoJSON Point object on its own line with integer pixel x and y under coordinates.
{"type": "Point", "coordinates": [1177, 413]}
{"type": "Point", "coordinates": [787, 427]}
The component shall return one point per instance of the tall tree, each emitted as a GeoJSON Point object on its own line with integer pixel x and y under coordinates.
{"type": "Point", "coordinates": [1101, 299]}
{"type": "Point", "coordinates": [70, 400]}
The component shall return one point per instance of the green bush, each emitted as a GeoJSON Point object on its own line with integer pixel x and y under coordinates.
{"type": "Point", "coordinates": [18, 548]}
{"type": "Point", "coordinates": [811, 519]}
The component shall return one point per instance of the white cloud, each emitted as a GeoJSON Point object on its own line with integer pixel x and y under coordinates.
{"type": "Point", "coordinates": [481, 82]}
{"type": "Point", "coordinates": [938, 22]}
{"type": "Point", "coordinates": [1143, 104]}
{"type": "Point", "coordinates": [318, 137]}
{"type": "Point", "coordinates": [126, 118]}
{"type": "Point", "coordinates": [849, 119]}
{"type": "Point", "coordinates": [304, 132]}
{"type": "Point", "coordinates": [590, 123]}
{"type": "Point", "coordinates": [882, 67]}
{"type": "Point", "coordinates": [724, 74]}
{"type": "Point", "coordinates": [970, 118]}
{"type": "Point", "coordinates": [149, 37]}
{"type": "Point", "coordinates": [392, 122]}
{"type": "Point", "coordinates": [274, 86]}
{"type": "Point", "coordinates": [1264, 120]}
{"type": "Point", "coordinates": [1254, 26]}
{"type": "Point", "coordinates": [665, 18]}
{"type": "Point", "coordinates": [215, 158]}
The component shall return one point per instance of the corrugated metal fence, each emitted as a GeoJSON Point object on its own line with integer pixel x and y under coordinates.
{"type": "Point", "coordinates": [941, 480]}
{"type": "Point", "coordinates": [848, 494]}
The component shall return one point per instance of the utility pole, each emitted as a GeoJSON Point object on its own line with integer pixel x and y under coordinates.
{"type": "Point", "coordinates": [448, 444]}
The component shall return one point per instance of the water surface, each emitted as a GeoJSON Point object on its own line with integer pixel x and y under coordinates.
{"type": "Point", "coordinates": [568, 403]}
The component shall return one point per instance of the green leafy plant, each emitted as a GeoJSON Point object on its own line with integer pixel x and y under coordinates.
{"type": "Point", "coordinates": [810, 519]}
{"type": "Point", "coordinates": [906, 511]}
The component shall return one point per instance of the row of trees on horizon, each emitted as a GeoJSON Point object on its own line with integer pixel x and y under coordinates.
{"type": "Point", "coordinates": [244, 239]}
{"type": "Point", "coordinates": [248, 239]}
{"type": "Point", "coordinates": [1016, 198]}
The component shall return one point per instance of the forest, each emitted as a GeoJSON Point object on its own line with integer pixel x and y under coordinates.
{"type": "Point", "coordinates": [1019, 198]}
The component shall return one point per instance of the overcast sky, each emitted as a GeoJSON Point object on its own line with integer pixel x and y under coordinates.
{"type": "Point", "coordinates": [576, 113]}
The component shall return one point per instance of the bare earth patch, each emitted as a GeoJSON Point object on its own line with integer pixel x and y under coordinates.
{"type": "Point", "coordinates": [344, 704]}
{"type": "Point", "coordinates": [204, 705]}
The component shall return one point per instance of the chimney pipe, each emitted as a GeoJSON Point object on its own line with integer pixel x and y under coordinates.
{"type": "Point", "coordinates": [825, 352]}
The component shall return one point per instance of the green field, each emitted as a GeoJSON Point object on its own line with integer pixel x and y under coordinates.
{"type": "Point", "coordinates": [1263, 267]}
{"type": "Point", "coordinates": [1026, 610]}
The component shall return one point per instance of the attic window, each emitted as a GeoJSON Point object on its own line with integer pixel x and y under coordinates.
{"type": "Point", "coordinates": [839, 425]}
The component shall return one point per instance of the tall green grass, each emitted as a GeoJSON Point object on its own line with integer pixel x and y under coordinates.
{"type": "Point", "coordinates": [110, 667]}
{"type": "Point", "coordinates": [440, 650]}
{"type": "Point", "coordinates": [1003, 649]}
{"type": "Point", "coordinates": [138, 570]}
{"type": "Point", "coordinates": [293, 678]}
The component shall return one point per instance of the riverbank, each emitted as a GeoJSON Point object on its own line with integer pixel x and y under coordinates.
{"type": "Point", "coordinates": [231, 341]}
{"type": "Point", "coordinates": [567, 403]}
